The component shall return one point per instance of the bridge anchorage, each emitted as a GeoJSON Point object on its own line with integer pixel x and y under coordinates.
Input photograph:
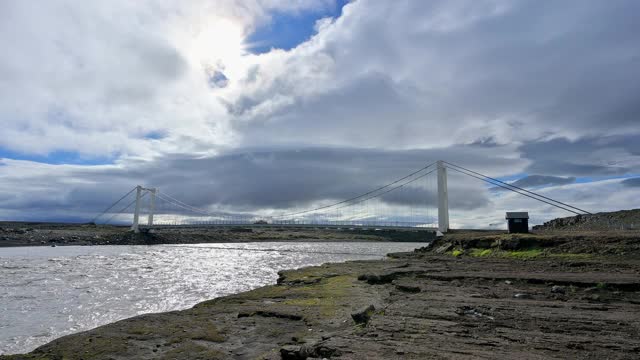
{"type": "Point", "coordinates": [405, 203]}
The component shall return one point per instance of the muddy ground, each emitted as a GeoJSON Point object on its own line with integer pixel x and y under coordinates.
{"type": "Point", "coordinates": [47, 234]}
{"type": "Point", "coordinates": [468, 296]}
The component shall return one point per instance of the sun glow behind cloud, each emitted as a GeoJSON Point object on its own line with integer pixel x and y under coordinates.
{"type": "Point", "coordinates": [218, 44]}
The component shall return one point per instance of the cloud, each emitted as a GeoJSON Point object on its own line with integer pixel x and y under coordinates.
{"type": "Point", "coordinates": [541, 180]}
{"type": "Point", "coordinates": [260, 180]}
{"type": "Point", "coordinates": [412, 75]}
{"type": "Point", "coordinates": [587, 156]}
{"type": "Point", "coordinates": [105, 74]}
{"type": "Point", "coordinates": [169, 92]}
{"type": "Point", "coordinates": [280, 181]}
{"type": "Point", "coordinates": [632, 182]}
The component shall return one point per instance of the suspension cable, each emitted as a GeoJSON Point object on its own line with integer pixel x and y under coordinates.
{"type": "Point", "coordinates": [185, 206]}
{"type": "Point", "coordinates": [173, 200]}
{"type": "Point", "coordinates": [112, 205]}
{"type": "Point", "coordinates": [519, 188]}
{"type": "Point", "coordinates": [124, 209]}
{"type": "Point", "coordinates": [388, 191]}
{"type": "Point", "coordinates": [516, 191]}
{"type": "Point", "coordinates": [354, 198]}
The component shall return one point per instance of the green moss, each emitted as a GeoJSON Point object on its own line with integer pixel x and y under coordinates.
{"type": "Point", "coordinates": [601, 285]}
{"type": "Point", "coordinates": [480, 252]}
{"type": "Point", "coordinates": [304, 302]}
{"type": "Point", "coordinates": [520, 254]}
{"type": "Point", "coordinates": [140, 330]}
{"type": "Point", "coordinates": [514, 254]}
{"type": "Point", "coordinates": [207, 334]}
{"type": "Point", "coordinates": [569, 256]}
{"type": "Point", "coordinates": [326, 296]}
{"type": "Point", "coordinates": [192, 350]}
{"type": "Point", "coordinates": [177, 331]}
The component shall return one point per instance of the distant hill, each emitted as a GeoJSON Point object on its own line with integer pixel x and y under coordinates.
{"type": "Point", "coordinates": [616, 220]}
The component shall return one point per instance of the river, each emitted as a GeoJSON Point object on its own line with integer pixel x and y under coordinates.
{"type": "Point", "coordinates": [49, 292]}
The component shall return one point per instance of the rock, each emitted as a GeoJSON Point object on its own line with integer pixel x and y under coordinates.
{"type": "Point", "coordinates": [363, 315]}
{"type": "Point", "coordinates": [370, 278]}
{"type": "Point", "coordinates": [473, 312]}
{"type": "Point", "coordinates": [383, 278]}
{"type": "Point", "coordinates": [595, 297]}
{"type": "Point", "coordinates": [291, 352]}
{"type": "Point", "coordinates": [509, 244]}
{"type": "Point", "coordinates": [408, 288]}
{"type": "Point", "coordinates": [444, 248]}
{"type": "Point", "coordinates": [523, 296]}
{"type": "Point", "coordinates": [557, 289]}
{"type": "Point", "coordinates": [295, 352]}
{"type": "Point", "coordinates": [508, 282]}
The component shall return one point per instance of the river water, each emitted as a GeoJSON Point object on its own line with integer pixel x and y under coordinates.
{"type": "Point", "coordinates": [49, 292]}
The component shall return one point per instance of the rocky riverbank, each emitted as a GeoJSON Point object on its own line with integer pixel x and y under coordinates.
{"type": "Point", "coordinates": [47, 234]}
{"type": "Point", "coordinates": [468, 296]}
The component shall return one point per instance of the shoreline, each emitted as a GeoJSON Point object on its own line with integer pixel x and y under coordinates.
{"type": "Point", "coordinates": [14, 234]}
{"type": "Point", "coordinates": [547, 303]}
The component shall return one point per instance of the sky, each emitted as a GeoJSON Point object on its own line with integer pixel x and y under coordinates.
{"type": "Point", "coordinates": [258, 106]}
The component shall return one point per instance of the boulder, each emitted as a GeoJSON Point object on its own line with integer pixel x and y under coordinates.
{"type": "Point", "coordinates": [363, 315]}
{"type": "Point", "coordinates": [408, 288]}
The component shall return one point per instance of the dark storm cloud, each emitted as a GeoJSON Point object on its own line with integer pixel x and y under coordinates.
{"type": "Point", "coordinates": [258, 179]}
{"type": "Point", "coordinates": [294, 177]}
{"type": "Point", "coordinates": [632, 182]}
{"type": "Point", "coordinates": [587, 156]}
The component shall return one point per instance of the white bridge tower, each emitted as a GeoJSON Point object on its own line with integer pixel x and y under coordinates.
{"type": "Point", "coordinates": [443, 198]}
{"type": "Point", "coordinates": [152, 207]}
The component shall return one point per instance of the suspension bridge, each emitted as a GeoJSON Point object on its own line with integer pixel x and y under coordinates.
{"type": "Point", "coordinates": [417, 201]}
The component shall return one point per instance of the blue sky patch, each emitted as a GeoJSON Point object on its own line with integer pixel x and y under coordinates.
{"type": "Point", "coordinates": [288, 30]}
{"type": "Point", "coordinates": [58, 158]}
{"type": "Point", "coordinates": [218, 80]}
{"type": "Point", "coordinates": [155, 135]}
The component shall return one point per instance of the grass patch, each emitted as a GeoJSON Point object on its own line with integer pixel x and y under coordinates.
{"type": "Point", "coordinates": [457, 252]}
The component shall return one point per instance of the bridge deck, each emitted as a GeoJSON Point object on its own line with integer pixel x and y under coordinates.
{"type": "Point", "coordinates": [294, 226]}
